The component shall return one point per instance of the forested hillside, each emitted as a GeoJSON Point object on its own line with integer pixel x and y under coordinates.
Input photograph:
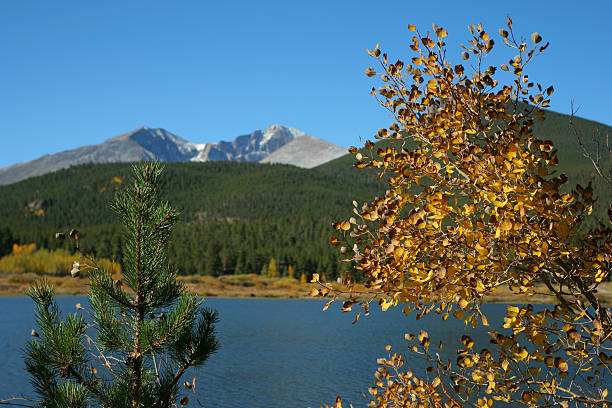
{"type": "Point", "coordinates": [237, 216]}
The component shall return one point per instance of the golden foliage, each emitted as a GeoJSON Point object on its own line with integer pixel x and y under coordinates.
{"type": "Point", "coordinates": [272, 269]}
{"type": "Point", "coordinates": [24, 249]}
{"type": "Point", "coordinates": [25, 258]}
{"type": "Point", "coordinates": [473, 203]}
{"type": "Point", "coordinates": [290, 271]}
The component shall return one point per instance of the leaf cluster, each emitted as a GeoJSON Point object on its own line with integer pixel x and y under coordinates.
{"type": "Point", "coordinates": [474, 203]}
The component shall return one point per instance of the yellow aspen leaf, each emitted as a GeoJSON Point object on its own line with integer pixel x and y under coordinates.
{"type": "Point", "coordinates": [370, 72]}
{"type": "Point", "coordinates": [561, 364]}
{"type": "Point", "coordinates": [485, 322]}
{"type": "Point", "coordinates": [512, 311]}
{"type": "Point", "coordinates": [423, 336]}
{"type": "Point", "coordinates": [549, 361]}
{"type": "Point", "coordinates": [522, 354]}
{"type": "Point", "coordinates": [526, 396]}
{"type": "Point", "coordinates": [467, 341]}
{"type": "Point", "coordinates": [385, 304]}
{"type": "Point", "coordinates": [497, 232]}
{"type": "Point", "coordinates": [506, 225]}
{"type": "Point", "coordinates": [482, 251]}
{"type": "Point", "coordinates": [480, 286]}
{"type": "Point", "coordinates": [573, 336]}
{"type": "Point", "coordinates": [536, 38]}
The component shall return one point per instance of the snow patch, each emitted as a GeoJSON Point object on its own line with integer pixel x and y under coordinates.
{"type": "Point", "coordinates": [277, 130]}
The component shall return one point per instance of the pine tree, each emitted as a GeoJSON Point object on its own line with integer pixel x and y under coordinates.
{"type": "Point", "coordinates": [148, 330]}
{"type": "Point", "coordinates": [6, 241]}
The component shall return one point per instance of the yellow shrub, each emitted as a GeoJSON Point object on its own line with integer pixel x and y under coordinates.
{"type": "Point", "coordinates": [25, 258]}
{"type": "Point", "coordinates": [24, 249]}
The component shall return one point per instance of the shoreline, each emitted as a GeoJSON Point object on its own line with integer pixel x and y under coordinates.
{"type": "Point", "coordinates": [249, 286]}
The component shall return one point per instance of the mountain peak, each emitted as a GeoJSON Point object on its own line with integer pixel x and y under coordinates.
{"type": "Point", "coordinates": [157, 144]}
{"type": "Point", "coordinates": [131, 133]}
{"type": "Point", "coordinates": [285, 133]}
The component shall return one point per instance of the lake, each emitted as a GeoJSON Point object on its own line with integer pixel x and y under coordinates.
{"type": "Point", "coordinates": [274, 352]}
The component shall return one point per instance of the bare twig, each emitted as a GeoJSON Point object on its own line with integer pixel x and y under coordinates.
{"type": "Point", "coordinates": [14, 401]}
{"type": "Point", "coordinates": [596, 157]}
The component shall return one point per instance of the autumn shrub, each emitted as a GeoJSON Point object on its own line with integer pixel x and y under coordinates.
{"type": "Point", "coordinates": [250, 279]}
{"type": "Point", "coordinates": [286, 283]}
{"type": "Point", "coordinates": [26, 258]}
{"type": "Point", "coordinates": [473, 203]}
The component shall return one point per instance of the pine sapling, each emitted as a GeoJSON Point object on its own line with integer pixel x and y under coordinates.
{"type": "Point", "coordinates": [141, 333]}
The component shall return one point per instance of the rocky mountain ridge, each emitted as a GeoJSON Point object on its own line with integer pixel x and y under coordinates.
{"type": "Point", "coordinates": [161, 145]}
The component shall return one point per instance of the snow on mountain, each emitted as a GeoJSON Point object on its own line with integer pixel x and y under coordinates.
{"type": "Point", "coordinates": [278, 135]}
{"type": "Point", "coordinates": [252, 147]}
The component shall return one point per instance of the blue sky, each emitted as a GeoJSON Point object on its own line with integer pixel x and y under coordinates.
{"type": "Point", "coordinates": [74, 73]}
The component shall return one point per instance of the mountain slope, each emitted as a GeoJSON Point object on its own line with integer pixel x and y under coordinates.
{"type": "Point", "coordinates": [305, 151]}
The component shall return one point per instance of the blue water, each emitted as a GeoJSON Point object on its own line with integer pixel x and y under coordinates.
{"type": "Point", "coordinates": [274, 353]}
